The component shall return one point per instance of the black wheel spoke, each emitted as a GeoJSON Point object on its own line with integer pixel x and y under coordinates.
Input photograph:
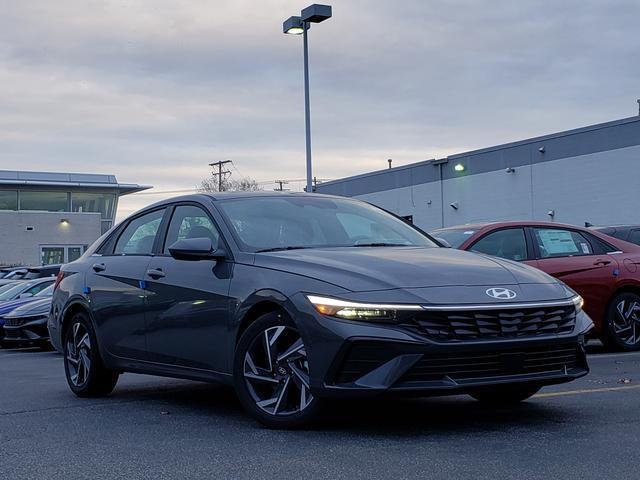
{"type": "Point", "coordinates": [626, 323]}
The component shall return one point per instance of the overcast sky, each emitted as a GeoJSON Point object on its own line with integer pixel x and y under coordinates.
{"type": "Point", "coordinates": [154, 90]}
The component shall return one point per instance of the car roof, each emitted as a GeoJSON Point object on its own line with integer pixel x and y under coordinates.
{"type": "Point", "coordinates": [510, 223]}
{"type": "Point", "coordinates": [44, 267]}
{"type": "Point", "coordinates": [602, 227]}
{"type": "Point", "coordinates": [215, 196]}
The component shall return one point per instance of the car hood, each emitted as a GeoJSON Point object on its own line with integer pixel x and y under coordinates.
{"type": "Point", "coordinates": [6, 307]}
{"type": "Point", "coordinates": [382, 268]}
{"type": "Point", "coordinates": [37, 306]}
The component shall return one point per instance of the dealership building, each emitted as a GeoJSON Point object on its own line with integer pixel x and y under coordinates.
{"type": "Point", "coordinates": [589, 174]}
{"type": "Point", "coordinates": [48, 218]}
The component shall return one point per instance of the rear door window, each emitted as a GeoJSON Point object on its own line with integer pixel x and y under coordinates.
{"type": "Point", "coordinates": [509, 243]}
{"type": "Point", "coordinates": [634, 237]}
{"type": "Point", "coordinates": [556, 242]}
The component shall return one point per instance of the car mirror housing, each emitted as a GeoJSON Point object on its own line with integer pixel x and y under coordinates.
{"type": "Point", "coordinates": [195, 249]}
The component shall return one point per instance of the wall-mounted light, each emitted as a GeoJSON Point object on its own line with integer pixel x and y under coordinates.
{"type": "Point", "coordinates": [454, 205]}
{"type": "Point", "coordinates": [459, 167]}
{"type": "Point", "coordinates": [551, 213]}
{"type": "Point", "coordinates": [64, 222]}
{"type": "Point", "coordinates": [510, 170]}
{"type": "Point", "coordinates": [542, 149]}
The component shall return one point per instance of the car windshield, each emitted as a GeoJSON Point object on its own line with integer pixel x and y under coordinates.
{"type": "Point", "coordinates": [291, 222]}
{"type": "Point", "coordinates": [453, 236]}
{"type": "Point", "coordinates": [10, 290]}
{"type": "Point", "coordinates": [47, 292]}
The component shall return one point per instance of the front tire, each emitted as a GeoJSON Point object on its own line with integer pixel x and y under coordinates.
{"type": "Point", "coordinates": [505, 394]}
{"type": "Point", "coordinates": [271, 373]}
{"type": "Point", "coordinates": [622, 331]}
{"type": "Point", "coordinates": [86, 374]}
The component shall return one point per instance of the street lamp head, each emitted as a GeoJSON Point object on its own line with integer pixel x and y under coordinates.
{"type": "Point", "coordinates": [293, 26]}
{"type": "Point", "coordinates": [316, 13]}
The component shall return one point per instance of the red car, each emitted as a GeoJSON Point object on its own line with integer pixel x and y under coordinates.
{"type": "Point", "coordinates": [604, 270]}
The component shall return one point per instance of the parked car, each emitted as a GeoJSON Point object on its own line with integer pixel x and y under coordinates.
{"type": "Point", "coordinates": [6, 308]}
{"type": "Point", "coordinates": [42, 271]}
{"type": "Point", "coordinates": [294, 298]}
{"type": "Point", "coordinates": [628, 233]}
{"type": "Point", "coordinates": [9, 272]}
{"type": "Point", "coordinates": [23, 289]}
{"type": "Point", "coordinates": [27, 323]}
{"type": "Point", "coordinates": [13, 276]}
{"type": "Point", "coordinates": [602, 269]}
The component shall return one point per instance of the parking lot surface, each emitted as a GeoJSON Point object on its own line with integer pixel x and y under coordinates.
{"type": "Point", "coordinates": [162, 428]}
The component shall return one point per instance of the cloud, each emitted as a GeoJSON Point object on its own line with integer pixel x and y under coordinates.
{"type": "Point", "coordinates": [153, 91]}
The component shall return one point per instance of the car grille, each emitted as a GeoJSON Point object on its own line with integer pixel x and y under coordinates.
{"type": "Point", "coordinates": [461, 325]}
{"type": "Point", "coordinates": [475, 365]}
{"type": "Point", "coordinates": [13, 322]}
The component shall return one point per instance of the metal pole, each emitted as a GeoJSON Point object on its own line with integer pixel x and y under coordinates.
{"type": "Point", "coordinates": [307, 110]}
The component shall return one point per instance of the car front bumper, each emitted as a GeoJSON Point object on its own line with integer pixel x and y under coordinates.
{"type": "Point", "coordinates": [27, 329]}
{"type": "Point", "coordinates": [352, 358]}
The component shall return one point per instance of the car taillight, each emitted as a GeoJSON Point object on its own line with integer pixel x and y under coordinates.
{"type": "Point", "coordinates": [59, 278]}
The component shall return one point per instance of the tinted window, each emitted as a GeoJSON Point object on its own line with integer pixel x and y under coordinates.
{"type": "Point", "coordinates": [46, 201]}
{"type": "Point", "coordinates": [509, 243]}
{"type": "Point", "coordinates": [189, 221]}
{"type": "Point", "coordinates": [8, 200]}
{"type": "Point", "coordinates": [555, 242]}
{"type": "Point", "coordinates": [453, 236]}
{"type": "Point", "coordinates": [138, 236]}
{"type": "Point", "coordinates": [38, 288]}
{"type": "Point", "coordinates": [262, 223]}
{"type": "Point", "coordinates": [634, 237]}
{"type": "Point", "coordinates": [93, 202]}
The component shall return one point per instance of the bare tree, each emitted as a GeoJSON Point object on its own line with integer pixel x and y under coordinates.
{"type": "Point", "coordinates": [228, 184]}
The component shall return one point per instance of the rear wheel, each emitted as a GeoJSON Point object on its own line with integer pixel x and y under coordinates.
{"type": "Point", "coordinates": [85, 371]}
{"type": "Point", "coordinates": [623, 323]}
{"type": "Point", "coordinates": [505, 394]}
{"type": "Point", "coordinates": [271, 373]}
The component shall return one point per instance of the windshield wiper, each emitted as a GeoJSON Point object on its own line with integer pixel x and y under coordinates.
{"type": "Point", "coordinates": [380, 244]}
{"type": "Point", "coordinates": [277, 249]}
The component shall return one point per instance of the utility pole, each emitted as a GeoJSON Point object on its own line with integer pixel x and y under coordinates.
{"type": "Point", "coordinates": [638, 106]}
{"type": "Point", "coordinates": [220, 172]}
{"type": "Point", "coordinates": [280, 184]}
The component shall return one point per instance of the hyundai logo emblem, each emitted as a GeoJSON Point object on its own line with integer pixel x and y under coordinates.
{"type": "Point", "coordinates": [501, 293]}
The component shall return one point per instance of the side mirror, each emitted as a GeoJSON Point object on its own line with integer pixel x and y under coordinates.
{"type": "Point", "coordinates": [196, 249]}
{"type": "Point", "coordinates": [443, 242]}
{"type": "Point", "coordinates": [25, 295]}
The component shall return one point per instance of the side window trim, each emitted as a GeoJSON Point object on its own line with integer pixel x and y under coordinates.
{"type": "Point", "coordinates": [123, 228]}
{"type": "Point", "coordinates": [491, 232]}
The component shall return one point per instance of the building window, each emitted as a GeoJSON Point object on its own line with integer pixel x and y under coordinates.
{"type": "Point", "coordinates": [54, 254]}
{"type": "Point", "coordinates": [93, 202]}
{"type": "Point", "coordinates": [8, 199]}
{"type": "Point", "coordinates": [44, 201]}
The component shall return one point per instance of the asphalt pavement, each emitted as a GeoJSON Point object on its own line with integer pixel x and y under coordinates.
{"type": "Point", "coordinates": [154, 428]}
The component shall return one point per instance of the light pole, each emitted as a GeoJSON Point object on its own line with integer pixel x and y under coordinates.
{"type": "Point", "coordinates": [300, 25]}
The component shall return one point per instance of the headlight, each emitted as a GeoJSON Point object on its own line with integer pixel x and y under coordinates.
{"type": "Point", "coordinates": [358, 311]}
{"type": "Point", "coordinates": [578, 301]}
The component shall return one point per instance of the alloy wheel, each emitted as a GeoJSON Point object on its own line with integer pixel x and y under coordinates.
{"type": "Point", "coordinates": [276, 371]}
{"type": "Point", "coordinates": [78, 354]}
{"type": "Point", "coordinates": [626, 323]}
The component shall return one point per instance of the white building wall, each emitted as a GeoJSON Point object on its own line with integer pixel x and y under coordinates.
{"type": "Point", "coordinates": [601, 188]}
{"type": "Point", "coordinates": [19, 246]}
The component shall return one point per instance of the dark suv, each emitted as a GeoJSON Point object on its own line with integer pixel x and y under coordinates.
{"type": "Point", "coordinates": [295, 298]}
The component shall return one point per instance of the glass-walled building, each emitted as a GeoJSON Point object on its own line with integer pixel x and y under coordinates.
{"type": "Point", "coordinates": [50, 218]}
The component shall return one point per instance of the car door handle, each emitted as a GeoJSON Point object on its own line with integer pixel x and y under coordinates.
{"type": "Point", "coordinates": [155, 273]}
{"type": "Point", "coordinates": [602, 262]}
{"type": "Point", "coordinates": [98, 267]}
